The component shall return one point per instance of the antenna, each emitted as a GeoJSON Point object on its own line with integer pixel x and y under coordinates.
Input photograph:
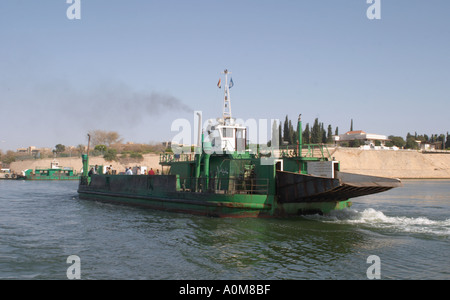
{"type": "Point", "coordinates": [226, 99]}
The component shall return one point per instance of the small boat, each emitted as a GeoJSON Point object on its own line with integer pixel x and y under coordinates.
{"type": "Point", "coordinates": [8, 174]}
{"type": "Point", "coordinates": [55, 172]}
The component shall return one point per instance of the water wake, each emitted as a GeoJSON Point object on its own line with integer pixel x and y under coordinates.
{"type": "Point", "coordinates": [376, 219]}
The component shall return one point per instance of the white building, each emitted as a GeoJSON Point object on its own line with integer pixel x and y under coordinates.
{"type": "Point", "coordinates": [367, 138]}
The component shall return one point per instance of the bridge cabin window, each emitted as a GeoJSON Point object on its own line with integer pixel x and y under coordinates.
{"type": "Point", "coordinates": [240, 140]}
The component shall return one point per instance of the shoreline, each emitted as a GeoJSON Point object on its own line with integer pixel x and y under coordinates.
{"type": "Point", "coordinates": [383, 163]}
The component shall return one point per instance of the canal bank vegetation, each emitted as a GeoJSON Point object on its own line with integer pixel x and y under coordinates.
{"type": "Point", "coordinates": [104, 144]}
{"type": "Point", "coordinates": [110, 146]}
{"type": "Point", "coordinates": [318, 133]}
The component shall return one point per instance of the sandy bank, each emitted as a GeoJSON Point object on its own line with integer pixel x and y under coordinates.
{"type": "Point", "coordinates": [394, 164]}
{"type": "Point", "coordinates": [150, 160]}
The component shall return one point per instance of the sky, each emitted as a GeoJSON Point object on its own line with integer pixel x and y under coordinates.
{"type": "Point", "coordinates": [136, 66]}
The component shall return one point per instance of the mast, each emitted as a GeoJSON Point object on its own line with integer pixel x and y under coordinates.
{"type": "Point", "coordinates": [226, 100]}
{"type": "Point", "coordinates": [300, 134]}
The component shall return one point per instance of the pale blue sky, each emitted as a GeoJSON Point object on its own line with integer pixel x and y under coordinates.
{"type": "Point", "coordinates": [135, 66]}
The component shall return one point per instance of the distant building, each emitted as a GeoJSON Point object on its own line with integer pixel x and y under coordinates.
{"type": "Point", "coordinates": [29, 150]}
{"type": "Point", "coordinates": [366, 138]}
{"type": "Point", "coordinates": [429, 146]}
{"type": "Point", "coordinates": [32, 151]}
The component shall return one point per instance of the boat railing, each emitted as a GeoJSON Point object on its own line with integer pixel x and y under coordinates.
{"type": "Point", "coordinates": [317, 150]}
{"type": "Point", "coordinates": [308, 150]}
{"type": "Point", "coordinates": [171, 157]}
{"type": "Point", "coordinates": [225, 185]}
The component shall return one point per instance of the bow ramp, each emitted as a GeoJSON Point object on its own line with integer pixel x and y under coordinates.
{"type": "Point", "coordinates": [295, 187]}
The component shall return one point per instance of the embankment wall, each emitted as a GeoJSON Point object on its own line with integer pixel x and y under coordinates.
{"type": "Point", "coordinates": [385, 163]}
{"type": "Point", "coordinates": [150, 160]}
{"type": "Point", "coordinates": [394, 164]}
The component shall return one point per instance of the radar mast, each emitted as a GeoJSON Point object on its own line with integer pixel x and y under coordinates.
{"type": "Point", "coordinates": [227, 120]}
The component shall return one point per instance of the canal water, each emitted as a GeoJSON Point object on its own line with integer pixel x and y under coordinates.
{"type": "Point", "coordinates": [400, 234]}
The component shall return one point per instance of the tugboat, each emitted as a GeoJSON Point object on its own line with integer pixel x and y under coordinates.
{"type": "Point", "coordinates": [225, 178]}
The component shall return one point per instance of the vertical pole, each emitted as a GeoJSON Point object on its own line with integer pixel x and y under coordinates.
{"type": "Point", "coordinates": [85, 160]}
{"type": "Point", "coordinates": [198, 161]}
{"type": "Point", "coordinates": [300, 133]}
{"type": "Point", "coordinates": [226, 99]}
{"type": "Point", "coordinates": [199, 133]}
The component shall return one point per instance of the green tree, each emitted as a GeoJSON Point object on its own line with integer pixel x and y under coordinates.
{"type": "Point", "coordinates": [441, 139]}
{"type": "Point", "coordinates": [330, 135]}
{"type": "Point", "coordinates": [110, 154]}
{"type": "Point", "coordinates": [100, 148]}
{"type": "Point", "coordinates": [280, 136]}
{"type": "Point", "coordinates": [316, 134]}
{"type": "Point", "coordinates": [9, 157]}
{"type": "Point", "coordinates": [306, 135]}
{"type": "Point", "coordinates": [447, 143]}
{"type": "Point", "coordinates": [397, 141]}
{"type": "Point", "coordinates": [291, 136]}
{"type": "Point", "coordinates": [323, 134]}
{"type": "Point", "coordinates": [286, 130]}
{"type": "Point", "coordinates": [411, 142]}
{"type": "Point", "coordinates": [60, 148]}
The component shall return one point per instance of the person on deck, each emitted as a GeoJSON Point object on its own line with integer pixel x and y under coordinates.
{"type": "Point", "coordinates": [129, 172]}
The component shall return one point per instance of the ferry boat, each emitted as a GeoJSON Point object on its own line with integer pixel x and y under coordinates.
{"type": "Point", "coordinates": [225, 178]}
{"type": "Point", "coordinates": [55, 172]}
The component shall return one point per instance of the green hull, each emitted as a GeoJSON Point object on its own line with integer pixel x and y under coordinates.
{"type": "Point", "coordinates": [53, 173]}
{"type": "Point", "coordinates": [221, 206]}
{"type": "Point", "coordinates": [164, 193]}
{"type": "Point", "coordinates": [218, 207]}
{"type": "Point", "coordinates": [33, 177]}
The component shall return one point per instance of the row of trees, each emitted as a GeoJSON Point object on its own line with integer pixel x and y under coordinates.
{"type": "Point", "coordinates": [109, 144]}
{"type": "Point", "coordinates": [8, 157]}
{"type": "Point", "coordinates": [411, 140]}
{"type": "Point", "coordinates": [317, 134]}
